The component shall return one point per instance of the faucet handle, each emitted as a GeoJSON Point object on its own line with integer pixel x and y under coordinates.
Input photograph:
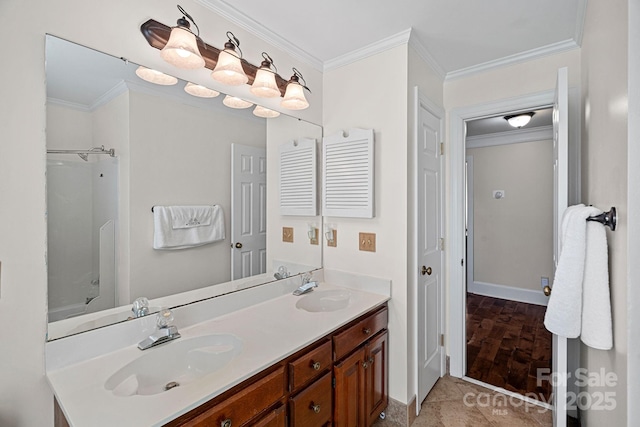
{"type": "Point", "coordinates": [140, 307]}
{"type": "Point", "coordinates": [164, 318]}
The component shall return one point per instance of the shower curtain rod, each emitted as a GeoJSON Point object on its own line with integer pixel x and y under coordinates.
{"type": "Point", "coordinates": [99, 150]}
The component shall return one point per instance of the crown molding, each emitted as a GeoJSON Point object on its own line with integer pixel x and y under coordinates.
{"type": "Point", "coordinates": [252, 26]}
{"type": "Point", "coordinates": [118, 89]}
{"type": "Point", "coordinates": [390, 42]}
{"type": "Point", "coordinates": [542, 133]}
{"type": "Point", "coordinates": [581, 16]}
{"type": "Point", "coordinates": [72, 105]}
{"type": "Point", "coordinates": [528, 55]}
{"type": "Point", "coordinates": [426, 56]}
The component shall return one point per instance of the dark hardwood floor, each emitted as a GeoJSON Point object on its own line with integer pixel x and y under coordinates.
{"type": "Point", "coordinates": [506, 345]}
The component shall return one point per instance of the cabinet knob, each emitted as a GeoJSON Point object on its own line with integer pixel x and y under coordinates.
{"type": "Point", "coordinates": [365, 364]}
{"type": "Point", "coordinates": [366, 331]}
{"type": "Point", "coordinates": [226, 423]}
{"type": "Point", "coordinates": [370, 360]}
{"type": "Point", "coordinates": [315, 365]}
{"type": "Point", "coordinates": [315, 408]}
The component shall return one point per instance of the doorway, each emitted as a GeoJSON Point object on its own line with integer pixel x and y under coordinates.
{"type": "Point", "coordinates": [509, 248]}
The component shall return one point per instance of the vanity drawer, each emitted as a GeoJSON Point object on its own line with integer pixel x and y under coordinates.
{"type": "Point", "coordinates": [347, 340]}
{"type": "Point", "coordinates": [277, 418]}
{"type": "Point", "coordinates": [312, 407]}
{"type": "Point", "coordinates": [309, 366]}
{"type": "Point", "coordinates": [242, 406]}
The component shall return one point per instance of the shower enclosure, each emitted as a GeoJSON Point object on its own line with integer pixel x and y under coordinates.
{"type": "Point", "coordinates": [82, 199]}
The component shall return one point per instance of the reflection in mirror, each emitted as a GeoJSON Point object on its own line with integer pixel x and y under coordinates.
{"type": "Point", "coordinates": [117, 146]}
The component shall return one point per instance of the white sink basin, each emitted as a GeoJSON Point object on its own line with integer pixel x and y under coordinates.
{"type": "Point", "coordinates": [323, 301]}
{"type": "Point", "coordinates": [174, 364]}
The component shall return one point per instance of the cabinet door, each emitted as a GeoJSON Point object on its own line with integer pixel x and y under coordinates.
{"type": "Point", "coordinates": [375, 387]}
{"type": "Point", "coordinates": [277, 418]}
{"type": "Point", "coordinates": [312, 406]}
{"type": "Point", "coordinates": [348, 397]}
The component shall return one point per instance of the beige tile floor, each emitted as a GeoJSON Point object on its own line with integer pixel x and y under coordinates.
{"type": "Point", "coordinates": [455, 402]}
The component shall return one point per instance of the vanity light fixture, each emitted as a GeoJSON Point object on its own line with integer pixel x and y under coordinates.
{"type": "Point", "coordinates": [294, 98]}
{"type": "Point", "coordinates": [264, 85]}
{"type": "Point", "coordinates": [154, 76]}
{"type": "Point", "coordinates": [229, 69]}
{"type": "Point", "coordinates": [260, 111]}
{"type": "Point", "coordinates": [330, 235]}
{"type": "Point", "coordinates": [200, 91]}
{"type": "Point", "coordinates": [519, 120]}
{"type": "Point", "coordinates": [234, 102]}
{"type": "Point", "coordinates": [182, 48]}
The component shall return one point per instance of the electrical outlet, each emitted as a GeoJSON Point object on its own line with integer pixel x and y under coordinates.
{"type": "Point", "coordinates": [367, 242]}
{"type": "Point", "coordinates": [287, 234]}
{"type": "Point", "coordinates": [544, 281]}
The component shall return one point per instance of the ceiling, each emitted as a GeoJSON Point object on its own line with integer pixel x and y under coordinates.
{"type": "Point", "coordinates": [455, 35]}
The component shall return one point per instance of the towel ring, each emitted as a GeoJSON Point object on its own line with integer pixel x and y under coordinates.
{"type": "Point", "coordinates": [609, 219]}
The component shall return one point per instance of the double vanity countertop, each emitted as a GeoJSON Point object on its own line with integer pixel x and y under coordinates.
{"type": "Point", "coordinates": [267, 331]}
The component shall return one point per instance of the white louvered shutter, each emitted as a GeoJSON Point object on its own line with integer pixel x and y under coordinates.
{"type": "Point", "coordinates": [298, 178]}
{"type": "Point", "coordinates": [347, 165]}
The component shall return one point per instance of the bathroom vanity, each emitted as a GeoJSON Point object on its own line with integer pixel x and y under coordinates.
{"type": "Point", "coordinates": [281, 360]}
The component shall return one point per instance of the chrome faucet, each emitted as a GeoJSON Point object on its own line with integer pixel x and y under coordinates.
{"type": "Point", "coordinates": [165, 332]}
{"type": "Point", "coordinates": [306, 286]}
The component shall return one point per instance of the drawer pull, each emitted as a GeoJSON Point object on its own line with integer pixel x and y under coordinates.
{"type": "Point", "coordinates": [226, 423]}
{"type": "Point", "coordinates": [366, 331]}
{"type": "Point", "coordinates": [315, 365]}
{"type": "Point", "coordinates": [315, 408]}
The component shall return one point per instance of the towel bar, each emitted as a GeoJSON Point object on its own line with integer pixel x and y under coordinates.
{"type": "Point", "coordinates": [609, 219]}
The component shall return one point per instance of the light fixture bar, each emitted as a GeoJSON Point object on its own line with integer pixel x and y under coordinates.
{"type": "Point", "coordinates": [157, 35]}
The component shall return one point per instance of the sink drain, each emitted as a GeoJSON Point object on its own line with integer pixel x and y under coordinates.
{"type": "Point", "coordinates": [171, 385]}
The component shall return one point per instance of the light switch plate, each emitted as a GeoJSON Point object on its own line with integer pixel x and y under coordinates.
{"type": "Point", "coordinates": [287, 234]}
{"type": "Point", "coordinates": [367, 242]}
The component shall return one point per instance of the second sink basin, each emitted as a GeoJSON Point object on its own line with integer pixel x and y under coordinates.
{"type": "Point", "coordinates": [323, 301]}
{"type": "Point", "coordinates": [174, 364]}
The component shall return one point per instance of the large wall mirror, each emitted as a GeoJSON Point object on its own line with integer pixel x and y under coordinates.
{"type": "Point", "coordinates": [169, 149]}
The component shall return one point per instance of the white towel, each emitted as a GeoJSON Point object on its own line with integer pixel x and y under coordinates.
{"type": "Point", "coordinates": [597, 331]}
{"type": "Point", "coordinates": [181, 227]}
{"type": "Point", "coordinates": [580, 267]}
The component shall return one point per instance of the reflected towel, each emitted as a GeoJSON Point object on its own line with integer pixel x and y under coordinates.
{"type": "Point", "coordinates": [181, 227]}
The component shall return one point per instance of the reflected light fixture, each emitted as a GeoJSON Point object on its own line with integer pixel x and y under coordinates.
{"type": "Point", "coordinates": [182, 48]}
{"type": "Point", "coordinates": [154, 76]}
{"type": "Point", "coordinates": [228, 69]}
{"type": "Point", "coordinates": [519, 120]}
{"type": "Point", "coordinates": [234, 102]}
{"type": "Point", "coordinates": [294, 98]}
{"type": "Point", "coordinates": [200, 91]}
{"type": "Point", "coordinates": [264, 85]}
{"type": "Point", "coordinates": [260, 111]}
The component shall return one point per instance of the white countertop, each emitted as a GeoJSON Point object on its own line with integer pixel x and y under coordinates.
{"type": "Point", "coordinates": [270, 331]}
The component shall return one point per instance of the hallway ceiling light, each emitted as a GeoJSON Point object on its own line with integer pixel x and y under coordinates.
{"type": "Point", "coordinates": [154, 76]}
{"type": "Point", "coordinates": [182, 48]}
{"type": "Point", "coordinates": [260, 111]}
{"type": "Point", "coordinates": [294, 98]}
{"type": "Point", "coordinates": [264, 85]}
{"type": "Point", "coordinates": [234, 102]}
{"type": "Point", "coordinates": [519, 120]}
{"type": "Point", "coordinates": [229, 69]}
{"type": "Point", "coordinates": [200, 91]}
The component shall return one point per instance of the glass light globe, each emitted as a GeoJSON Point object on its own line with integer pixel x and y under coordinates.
{"type": "Point", "coordinates": [182, 50]}
{"type": "Point", "coordinates": [200, 91]}
{"type": "Point", "coordinates": [229, 69]}
{"type": "Point", "coordinates": [156, 77]}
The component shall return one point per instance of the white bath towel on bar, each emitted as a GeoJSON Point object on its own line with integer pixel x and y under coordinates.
{"type": "Point", "coordinates": [181, 227]}
{"type": "Point", "coordinates": [579, 277]}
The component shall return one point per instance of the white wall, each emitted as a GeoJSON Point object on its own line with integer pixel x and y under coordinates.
{"type": "Point", "coordinates": [604, 168]}
{"type": "Point", "coordinates": [513, 235]}
{"type": "Point", "coordinates": [181, 156]}
{"type": "Point", "coordinates": [112, 27]}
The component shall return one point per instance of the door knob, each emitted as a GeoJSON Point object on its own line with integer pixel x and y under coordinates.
{"type": "Point", "coordinates": [547, 290]}
{"type": "Point", "coordinates": [238, 245]}
{"type": "Point", "coordinates": [426, 270]}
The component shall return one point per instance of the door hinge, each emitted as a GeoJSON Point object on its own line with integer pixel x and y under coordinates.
{"type": "Point", "coordinates": [333, 382]}
{"type": "Point", "coordinates": [462, 262]}
{"type": "Point", "coordinates": [442, 243]}
{"type": "Point", "coordinates": [442, 148]}
{"type": "Point", "coordinates": [442, 340]}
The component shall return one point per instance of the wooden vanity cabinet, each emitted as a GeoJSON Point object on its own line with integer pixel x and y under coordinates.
{"type": "Point", "coordinates": [360, 393]}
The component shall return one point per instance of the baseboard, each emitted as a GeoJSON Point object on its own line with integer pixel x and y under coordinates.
{"type": "Point", "coordinates": [508, 293]}
{"type": "Point", "coordinates": [398, 414]}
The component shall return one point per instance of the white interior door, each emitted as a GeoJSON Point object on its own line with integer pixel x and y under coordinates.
{"type": "Point", "coordinates": [248, 211]}
{"type": "Point", "coordinates": [429, 216]}
{"type": "Point", "coordinates": [560, 203]}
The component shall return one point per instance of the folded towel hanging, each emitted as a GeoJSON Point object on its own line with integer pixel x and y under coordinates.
{"type": "Point", "coordinates": [181, 227]}
{"type": "Point", "coordinates": [579, 303]}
